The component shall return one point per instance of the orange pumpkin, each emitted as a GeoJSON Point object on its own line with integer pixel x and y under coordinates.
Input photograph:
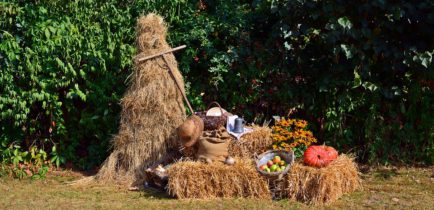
{"type": "Point", "coordinates": [319, 156]}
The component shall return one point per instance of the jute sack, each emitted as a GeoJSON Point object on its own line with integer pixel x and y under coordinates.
{"type": "Point", "coordinates": [213, 145]}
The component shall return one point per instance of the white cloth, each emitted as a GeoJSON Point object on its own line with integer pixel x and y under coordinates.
{"type": "Point", "coordinates": [230, 127]}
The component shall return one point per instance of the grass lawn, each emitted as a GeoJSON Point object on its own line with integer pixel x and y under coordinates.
{"type": "Point", "coordinates": [390, 188]}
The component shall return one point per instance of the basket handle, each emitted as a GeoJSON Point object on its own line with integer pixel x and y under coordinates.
{"type": "Point", "coordinates": [215, 102]}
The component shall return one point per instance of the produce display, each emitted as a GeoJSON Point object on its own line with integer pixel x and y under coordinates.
{"type": "Point", "coordinates": [274, 165]}
{"type": "Point", "coordinates": [319, 156]}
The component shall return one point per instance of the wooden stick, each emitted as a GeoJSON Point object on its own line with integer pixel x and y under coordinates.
{"type": "Point", "coordinates": [162, 53]}
{"type": "Point", "coordinates": [177, 84]}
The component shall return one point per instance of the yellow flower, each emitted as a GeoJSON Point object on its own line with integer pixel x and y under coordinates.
{"type": "Point", "coordinates": [291, 133]}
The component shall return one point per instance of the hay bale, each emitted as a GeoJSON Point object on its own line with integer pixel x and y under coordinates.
{"type": "Point", "coordinates": [198, 180]}
{"type": "Point", "coordinates": [321, 185]}
{"type": "Point", "coordinates": [252, 144]}
{"type": "Point", "coordinates": [152, 109]}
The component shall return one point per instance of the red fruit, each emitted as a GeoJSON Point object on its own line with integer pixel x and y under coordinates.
{"type": "Point", "coordinates": [53, 124]}
{"type": "Point", "coordinates": [316, 156]}
{"type": "Point", "coordinates": [270, 163]}
{"type": "Point", "coordinates": [263, 167]}
{"type": "Point", "coordinates": [277, 159]}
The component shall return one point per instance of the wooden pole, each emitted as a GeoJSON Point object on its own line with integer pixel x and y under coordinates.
{"type": "Point", "coordinates": [162, 53]}
{"type": "Point", "coordinates": [170, 70]}
{"type": "Point", "coordinates": [177, 84]}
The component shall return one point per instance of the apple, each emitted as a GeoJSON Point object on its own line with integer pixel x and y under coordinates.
{"type": "Point", "coordinates": [263, 167]}
{"type": "Point", "coordinates": [282, 167]}
{"type": "Point", "coordinates": [282, 163]}
{"type": "Point", "coordinates": [267, 170]}
{"type": "Point", "coordinates": [277, 159]}
{"type": "Point", "coordinates": [273, 168]}
{"type": "Point", "coordinates": [278, 169]}
{"type": "Point", "coordinates": [270, 163]}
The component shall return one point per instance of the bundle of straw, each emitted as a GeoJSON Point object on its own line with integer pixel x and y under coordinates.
{"type": "Point", "coordinates": [188, 179]}
{"type": "Point", "coordinates": [152, 109]}
{"type": "Point", "coordinates": [321, 185]}
{"type": "Point", "coordinates": [253, 143]}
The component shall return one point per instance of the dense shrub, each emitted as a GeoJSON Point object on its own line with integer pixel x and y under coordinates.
{"type": "Point", "coordinates": [366, 73]}
{"type": "Point", "coordinates": [360, 72]}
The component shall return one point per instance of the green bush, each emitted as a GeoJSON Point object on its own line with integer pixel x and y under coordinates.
{"type": "Point", "coordinates": [360, 72]}
{"type": "Point", "coordinates": [365, 72]}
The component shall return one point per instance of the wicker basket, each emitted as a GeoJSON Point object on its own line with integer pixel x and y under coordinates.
{"type": "Point", "coordinates": [262, 159]}
{"type": "Point", "coordinates": [213, 122]}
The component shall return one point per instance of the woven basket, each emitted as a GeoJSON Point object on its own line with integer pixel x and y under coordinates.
{"type": "Point", "coordinates": [262, 159]}
{"type": "Point", "coordinates": [213, 122]}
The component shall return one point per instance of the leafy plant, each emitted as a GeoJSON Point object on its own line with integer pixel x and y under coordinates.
{"type": "Point", "coordinates": [21, 164]}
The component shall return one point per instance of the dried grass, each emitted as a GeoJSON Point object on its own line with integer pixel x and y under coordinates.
{"type": "Point", "coordinates": [321, 186]}
{"type": "Point", "coordinates": [152, 109]}
{"type": "Point", "coordinates": [197, 180]}
{"type": "Point", "coordinates": [190, 152]}
{"type": "Point", "coordinates": [252, 144]}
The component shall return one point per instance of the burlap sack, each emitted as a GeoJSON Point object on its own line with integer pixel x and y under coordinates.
{"type": "Point", "coordinates": [213, 145]}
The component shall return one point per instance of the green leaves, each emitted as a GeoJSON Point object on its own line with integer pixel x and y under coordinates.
{"type": "Point", "coordinates": [359, 73]}
{"type": "Point", "coordinates": [424, 58]}
{"type": "Point", "coordinates": [345, 23]}
{"type": "Point", "coordinates": [347, 50]}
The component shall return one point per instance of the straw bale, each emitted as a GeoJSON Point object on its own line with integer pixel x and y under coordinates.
{"type": "Point", "coordinates": [197, 180]}
{"type": "Point", "coordinates": [252, 144]}
{"type": "Point", "coordinates": [152, 109]}
{"type": "Point", "coordinates": [321, 185]}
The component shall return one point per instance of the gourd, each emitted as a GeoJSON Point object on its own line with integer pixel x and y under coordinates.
{"type": "Point", "coordinates": [319, 156]}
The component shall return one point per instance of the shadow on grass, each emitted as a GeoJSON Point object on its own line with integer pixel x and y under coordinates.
{"type": "Point", "coordinates": [386, 173]}
{"type": "Point", "coordinates": [150, 192]}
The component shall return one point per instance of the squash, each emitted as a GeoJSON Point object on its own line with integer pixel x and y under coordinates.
{"type": "Point", "coordinates": [319, 156]}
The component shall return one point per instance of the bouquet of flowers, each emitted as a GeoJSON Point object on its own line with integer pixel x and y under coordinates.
{"type": "Point", "coordinates": [292, 134]}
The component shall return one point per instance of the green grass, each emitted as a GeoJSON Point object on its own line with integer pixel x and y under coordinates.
{"type": "Point", "coordinates": [403, 188]}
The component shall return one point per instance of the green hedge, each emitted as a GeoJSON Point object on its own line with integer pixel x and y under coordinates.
{"type": "Point", "coordinates": [360, 71]}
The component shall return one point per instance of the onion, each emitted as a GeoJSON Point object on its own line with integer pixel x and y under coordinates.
{"type": "Point", "coordinates": [230, 160]}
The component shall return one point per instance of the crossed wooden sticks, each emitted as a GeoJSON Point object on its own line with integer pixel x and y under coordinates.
{"type": "Point", "coordinates": [170, 70]}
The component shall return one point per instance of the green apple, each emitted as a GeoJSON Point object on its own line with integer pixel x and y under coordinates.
{"type": "Point", "coordinates": [267, 170]}
{"type": "Point", "coordinates": [282, 167]}
{"type": "Point", "coordinates": [274, 167]}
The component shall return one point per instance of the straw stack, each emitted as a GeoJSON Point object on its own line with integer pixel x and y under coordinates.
{"type": "Point", "coordinates": [321, 186]}
{"type": "Point", "coordinates": [152, 109]}
{"type": "Point", "coordinates": [253, 143]}
{"type": "Point", "coordinates": [197, 180]}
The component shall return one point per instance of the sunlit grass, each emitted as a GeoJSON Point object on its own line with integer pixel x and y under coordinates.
{"type": "Point", "coordinates": [404, 188]}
